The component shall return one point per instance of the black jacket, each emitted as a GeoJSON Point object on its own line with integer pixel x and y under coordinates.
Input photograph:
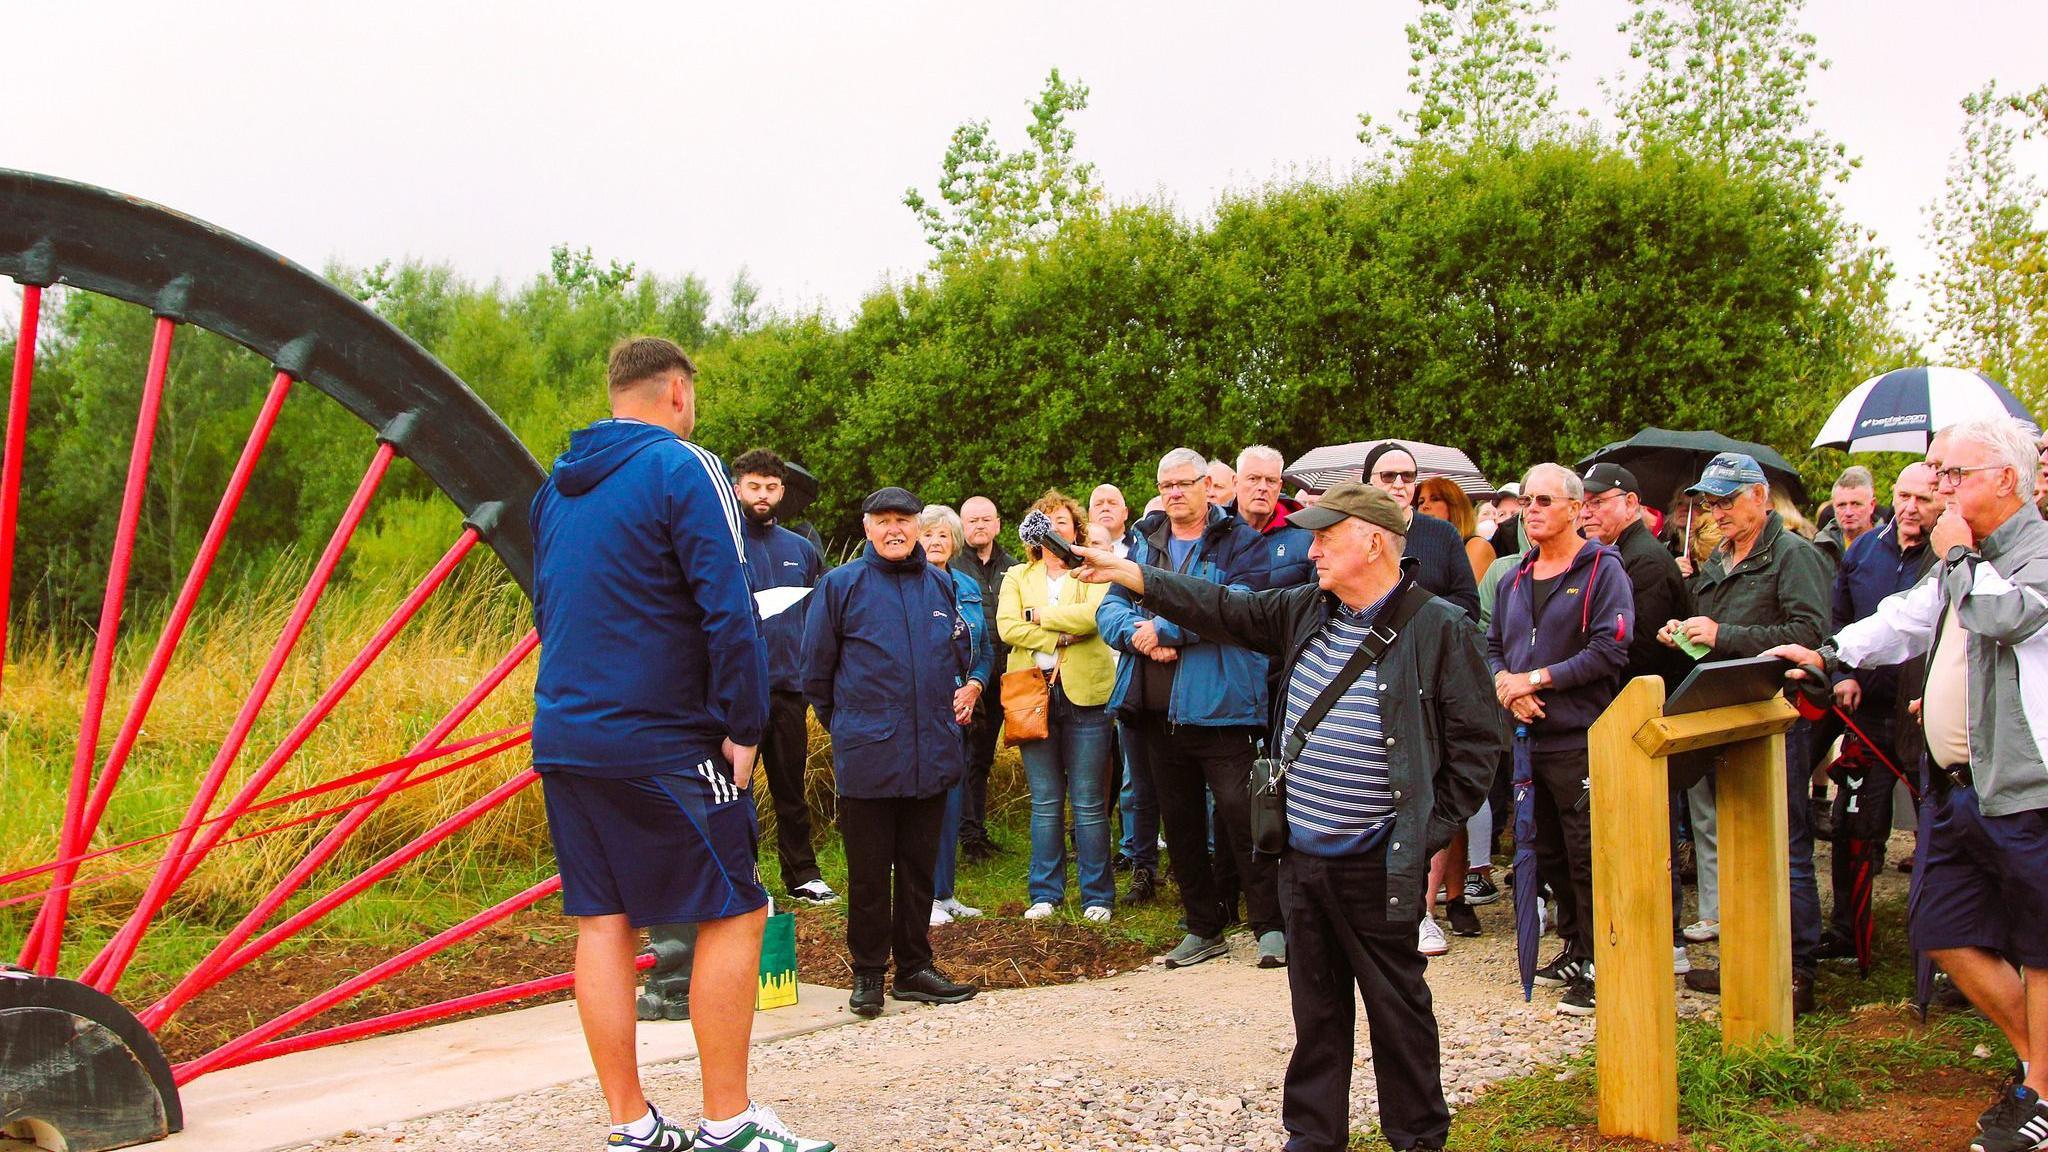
{"type": "Point", "coordinates": [1661, 596]}
{"type": "Point", "coordinates": [1442, 746]}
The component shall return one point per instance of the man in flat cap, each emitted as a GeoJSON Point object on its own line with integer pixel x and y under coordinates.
{"type": "Point", "coordinates": [886, 658]}
{"type": "Point", "coordinates": [1389, 733]}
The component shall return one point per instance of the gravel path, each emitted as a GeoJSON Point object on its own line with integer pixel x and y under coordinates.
{"type": "Point", "coordinates": [1146, 1060]}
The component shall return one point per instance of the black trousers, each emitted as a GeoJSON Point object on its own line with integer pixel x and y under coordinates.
{"type": "Point", "coordinates": [784, 749]}
{"type": "Point", "coordinates": [1339, 936]}
{"type": "Point", "coordinates": [1184, 760]}
{"type": "Point", "coordinates": [885, 839]}
{"type": "Point", "coordinates": [1564, 842]}
{"type": "Point", "coordinates": [982, 731]}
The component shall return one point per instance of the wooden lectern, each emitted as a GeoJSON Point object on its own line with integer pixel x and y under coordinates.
{"type": "Point", "coordinates": [1636, 1054]}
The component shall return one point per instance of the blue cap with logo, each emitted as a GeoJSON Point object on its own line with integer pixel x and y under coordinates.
{"type": "Point", "coordinates": [1729, 473]}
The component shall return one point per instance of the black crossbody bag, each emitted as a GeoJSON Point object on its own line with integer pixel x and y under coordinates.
{"type": "Point", "coordinates": [1269, 774]}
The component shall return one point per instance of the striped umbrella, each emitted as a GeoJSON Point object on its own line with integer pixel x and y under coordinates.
{"type": "Point", "coordinates": [1321, 468]}
{"type": "Point", "coordinates": [1900, 410]}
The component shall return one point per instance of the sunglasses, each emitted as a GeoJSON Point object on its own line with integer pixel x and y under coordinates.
{"type": "Point", "coordinates": [1546, 500]}
{"type": "Point", "coordinates": [1394, 477]}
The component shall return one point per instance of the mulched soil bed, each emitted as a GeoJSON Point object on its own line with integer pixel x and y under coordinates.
{"type": "Point", "coordinates": [991, 953]}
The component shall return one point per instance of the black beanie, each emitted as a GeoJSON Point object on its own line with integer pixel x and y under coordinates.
{"type": "Point", "coordinates": [1373, 457]}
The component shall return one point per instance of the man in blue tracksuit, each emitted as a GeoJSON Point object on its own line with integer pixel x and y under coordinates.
{"type": "Point", "coordinates": [1562, 621]}
{"type": "Point", "coordinates": [648, 707]}
{"type": "Point", "coordinates": [1194, 709]}
{"type": "Point", "coordinates": [779, 558]}
{"type": "Point", "coordinates": [887, 658]}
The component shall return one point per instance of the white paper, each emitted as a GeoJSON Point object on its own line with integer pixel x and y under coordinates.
{"type": "Point", "coordinates": [771, 601]}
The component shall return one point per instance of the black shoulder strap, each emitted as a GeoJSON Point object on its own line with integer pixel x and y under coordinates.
{"type": "Point", "coordinates": [1378, 638]}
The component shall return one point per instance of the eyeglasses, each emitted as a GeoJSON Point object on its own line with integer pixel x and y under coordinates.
{"type": "Point", "coordinates": [1717, 503]}
{"type": "Point", "coordinates": [1607, 497]}
{"type": "Point", "coordinates": [1953, 477]}
{"type": "Point", "coordinates": [1166, 486]}
{"type": "Point", "coordinates": [1394, 477]}
{"type": "Point", "coordinates": [1545, 500]}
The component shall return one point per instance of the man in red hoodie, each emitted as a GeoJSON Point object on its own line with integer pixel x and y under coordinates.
{"type": "Point", "coordinates": [1260, 504]}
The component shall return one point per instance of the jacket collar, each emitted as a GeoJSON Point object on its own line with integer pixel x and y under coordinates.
{"type": "Point", "coordinates": [915, 562]}
{"type": "Point", "coordinates": [2016, 541]}
{"type": "Point", "coordinates": [1157, 530]}
{"type": "Point", "coordinates": [1759, 555]}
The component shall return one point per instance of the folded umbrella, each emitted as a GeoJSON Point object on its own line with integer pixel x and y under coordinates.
{"type": "Point", "coordinates": [1667, 462]}
{"type": "Point", "coordinates": [1528, 887]}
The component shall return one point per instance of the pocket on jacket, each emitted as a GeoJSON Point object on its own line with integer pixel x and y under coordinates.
{"type": "Point", "coordinates": [859, 727]}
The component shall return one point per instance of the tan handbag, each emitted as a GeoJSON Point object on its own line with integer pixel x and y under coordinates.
{"type": "Point", "coordinates": [1027, 705]}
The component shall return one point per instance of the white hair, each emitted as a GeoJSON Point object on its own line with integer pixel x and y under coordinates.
{"type": "Point", "coordinates": [1184, 458]}
{"type": "Point", "coordinates": [940, 514]}
{"type": "Point", "coordinates": [1574, 487]}
{"type": "Point", "coordinates": [2012, 442]}
{"type": "Point", "coordinates": [1261, 452]}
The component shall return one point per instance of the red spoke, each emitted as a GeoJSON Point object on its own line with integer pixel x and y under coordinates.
{"type": "Point", "coordinates": [121, 949]}
{"type": "Point", "coordinates": [188, 599]}
{"type": "Point", "coordinates": [17, 439]}
{"type": "Point", "coordinates": [55, 909]}
{"type": "Point", "coordinates": [426, 1013]}
{"type": "Point", "coordinates": [184, 1073]}
{"type": "Point", "coordinates": [228, 956]}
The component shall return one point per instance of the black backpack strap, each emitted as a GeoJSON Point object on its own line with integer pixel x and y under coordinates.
{"type": "Point", "coordinates": [1379, 637]}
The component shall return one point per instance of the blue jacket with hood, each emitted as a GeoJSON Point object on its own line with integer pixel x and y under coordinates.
{"type": "Point", "coordinates": [1214, 685]}
{"type": "Point", "coordinates": [1581, 639]}
{"type": "Point", "coordinates": [779, 558]}
{"type": "Point", "coordinates": [885, 647]}
{"type": "Point", "coordinates": [649, 652]}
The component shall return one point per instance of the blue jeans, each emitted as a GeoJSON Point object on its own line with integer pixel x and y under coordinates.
{"type": "Point", "coordinates": [1070, 766]}
{"type": "Point", "coordinates": [1139, 805]}
{"type": "Point", "coordinates": [949, 842]}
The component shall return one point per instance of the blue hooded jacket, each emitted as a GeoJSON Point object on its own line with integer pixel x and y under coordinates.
{"type": "Point", "coordinates": [981, 646]}
{"type": "Point", "coordinates": [779, 558]}
{"type": "Point", "coordinates": [1581, 639]}
{"type": "Point", "coordinates": [1214, 685]}
{"type": "Point", "coordinates": [884, 649]}
{"type": "Point", "coordinates": [649, 653]}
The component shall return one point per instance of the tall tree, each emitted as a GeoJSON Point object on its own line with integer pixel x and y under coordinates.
{"type": "Point", "coordinates": [1989, 292]}
{"type": "Point", "coordinates": [1484, 73]}
{"type": "Point", "coordinates": [1726, 79]}
{"type": "Point", "coordinates": [992, 201]}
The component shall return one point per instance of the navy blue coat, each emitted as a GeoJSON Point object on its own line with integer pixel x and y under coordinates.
{"type": "Point", "coordinates": [1581, 639]}
{"type": "Point", "coordinates": [1214, 685]}
{"type": "Point", "coordinates": [779, 558]}
{"type": "Point", "coordinates": [884, 648]}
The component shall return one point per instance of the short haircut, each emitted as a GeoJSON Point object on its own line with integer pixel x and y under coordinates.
{"type": "Point", "coordinates": [1053, 501]}
{"type": "Point", "coordinates": [637, 359]}
{"type": "Point", "coordinates": [1261, 452]}
{"type": "Point", "coordinates": [760, 462]}
{"type": "Point", "coordinates": [1856, 476]}
{"type": "Point", "coordinates": [1184, 458]}
{"type": "Point", "coordinates": [1574, 484]}
{"type": "Point", "coordinates": [2012, 442]}
{"type": "Point", "coordinates": [1462, 516]}
{"type": "Point", "coordinates": [940, 514]}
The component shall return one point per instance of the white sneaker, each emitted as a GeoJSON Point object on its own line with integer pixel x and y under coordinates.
{"type": "Point", "coordinates": [815, 892]}
{"type": "Point", "coordinates": [1701, 931]}
{"type": "Point", "coordinates": [1680, 962]}
{"type": "Point", "coordinates": [1096, 913]}
{"type": "Point", "coordinates": [763, 1131]}
{"type": "Point", "coordinates": [939, 914]}
{"type": "Point", "coordinates": [958, 910]}
{"type": "Point", "coordinates": [1039, 911]}
{"type": "Point", "coordinates": [1430, 939]}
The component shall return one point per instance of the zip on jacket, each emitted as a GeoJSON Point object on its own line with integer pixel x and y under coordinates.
{"type": "Point", "coordinates": [1581, 639]}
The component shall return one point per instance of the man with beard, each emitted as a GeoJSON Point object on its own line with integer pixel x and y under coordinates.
{"type": "Point", "coordinates": [779, 558]}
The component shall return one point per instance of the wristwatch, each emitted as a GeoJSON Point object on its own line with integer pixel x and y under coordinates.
{"type": "Point", "coordinates": [1957, 555]}
{"type": "Point", "coordinates": [1538, 678]}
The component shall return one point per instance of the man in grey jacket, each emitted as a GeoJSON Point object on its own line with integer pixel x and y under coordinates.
{"type": "Point", "coordinates": [1983, 876]}
{"type": "Point", "coordinates": [1400, 760]}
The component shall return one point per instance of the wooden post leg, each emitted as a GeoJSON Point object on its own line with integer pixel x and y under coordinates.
{"type": "Point", "coordinates": [1756, 894]}
{"type": "Point", "coordinates": [1636, 1029]}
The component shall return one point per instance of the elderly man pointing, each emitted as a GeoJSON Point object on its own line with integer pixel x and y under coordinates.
{"type": "Point", "coordinates": [1979, 619]}
{"type": "Point", "coordinates": [1390, 734]}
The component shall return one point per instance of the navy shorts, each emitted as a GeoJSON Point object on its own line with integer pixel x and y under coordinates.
{"type": "Point", "coordinates": [1983, 881]}
{"type": "Point", "coordinates": [675, 848]}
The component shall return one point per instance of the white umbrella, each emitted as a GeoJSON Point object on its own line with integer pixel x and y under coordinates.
{"type": "Point", "coordinates": [1320, 468]}
{"type": "Point", "coordinates": [1902, 409]}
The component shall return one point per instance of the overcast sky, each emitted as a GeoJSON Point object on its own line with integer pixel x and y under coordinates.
{"type": "Point", "coordinates": [705, 138]}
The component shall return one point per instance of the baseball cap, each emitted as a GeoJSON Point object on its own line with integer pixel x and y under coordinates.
{"type": "Point", "coordinates": [891, 500]}
{"type": "Point", "coordinates": [1729, 473]}
{"type": "Point", "coordinates": [1510, 489]}
{"type": "Point", "coordinates": [1359, 501]}
{"type": "Point", "coordinates": [1607, 477]}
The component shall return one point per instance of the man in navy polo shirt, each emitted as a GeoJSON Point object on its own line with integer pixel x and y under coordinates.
{"type": "Point", "coordinates": [648, 707]}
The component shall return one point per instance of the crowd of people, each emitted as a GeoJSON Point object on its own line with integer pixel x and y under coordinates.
{"type": "Point", "coordinates": [1301, 706]}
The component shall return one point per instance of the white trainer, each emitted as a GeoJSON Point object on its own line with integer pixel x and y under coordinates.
{"type": "Point", "coordinates": [1430, 940]}
{"type": "Point", "coordinates": [1039, 911]}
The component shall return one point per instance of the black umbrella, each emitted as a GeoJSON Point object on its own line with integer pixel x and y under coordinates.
{"type": "Point", "coordinates": [1666, 463]}
{"type": "Point", "coordinates": [799, 492]}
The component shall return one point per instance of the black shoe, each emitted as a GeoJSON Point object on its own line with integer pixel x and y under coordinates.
{"type": "Point", "coordinates": [2001, 1105]}
{"type": "Point", "coordinates": [1480, 890]}
{"type": "Point", "coordinates": [1561, 971]}
{"type": "Point", "coordinates": [1124, 862]}
{"type": "Point", "coordinates": [2017, 1123]}
{"type": "Point", "coordinates": [1578, 998]}
{"type": "Point", "coordinates": [1144, 886]}
{"type": "Point", "coordinates": [1802, 992]}
{"type": "Point", "coordinates": [1707, 980]}
{"type": "Point", "coordinates": [867, 995]}
{"type": "Point", "coordinates": [1464, 921]}
{"type": "Point", "coordinates": [1823, 821]}
{"type": "Point", "coordinates": [926, 986]}
{"type": "Point", "coordinates": [1835, 946]}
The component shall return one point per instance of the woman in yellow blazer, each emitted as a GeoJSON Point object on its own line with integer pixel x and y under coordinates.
{"type": "Point", "coordinates": [1048, 619]}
